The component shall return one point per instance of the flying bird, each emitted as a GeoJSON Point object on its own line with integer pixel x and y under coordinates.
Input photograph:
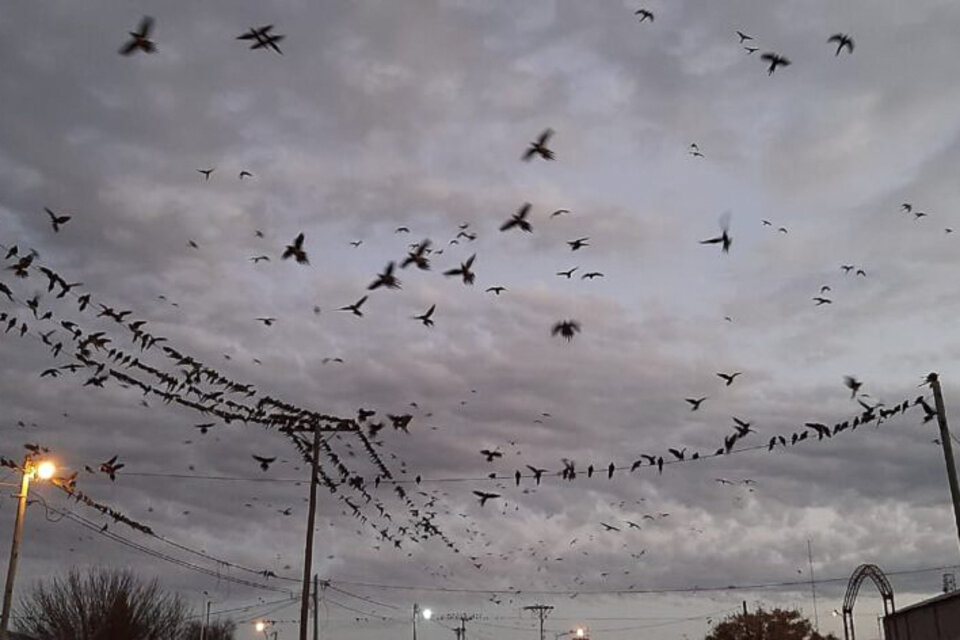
{"type": "Point", "coordinates": [568, 273]}
{"type": "Point", "coordinates": [644, 15]}
{"type": "Point", "coordinates": [559, 212]}
{"type": "Point", "coordinates": [821, 300]}
{"type": "Point", "coordinates": [579, 243]}
{"type": "Point", "coordinates": [296, 251]}
{"type": "Point", "coordinates": [519, 219]}
{"type": "Point", "coordinates": [775, 60]}
{"type": "Point", "coordinates": [267, 322]}
{"type": "Point", "coordinates": [724, 239]}
{"type": "Point", "coordinates": [491, 455]}
{"type": "Point", "coordinates": [695, 402]}
{"type": "Point", "coordinates": [853, 384]}
{"type": "Point", "coordinates": [591, 275]}
{"type": "Point", "coordinates": [140, 39]}
{"type": "Point", "coordinates": [609, 527]}
{"type": "Point", "coordinates": [751, 50]}
{"type": "Point", "coordinates": [110, 467]}
{"type": "Point", "coordinates": [385, 279]}
{"type": "Point", "coordinates": [496, 290]}
{"type": "Point", "coordinates": [539, 147]}
{"type": "Point", "coordinates": [418, 256]}
{"type": "Point", "coordinates": [484, 496]}
{"type": "Point", "coordinates": [245, 174]}
{"type": "Point", "coordinates": [842, 40]}
{"type": "Point", "coordinates": [464, 270]}
{"type": "Point", "coordinates": [743, 37]}
{"type": "Point", "coordinates": [56, 220]}
{"type": "Point", "coordinates": [258, 259]}
{"type": "Point", "coordinates": [425, 318]}
{"type": "Point", "coordinates": [263, 38]}
{"type": "Point", "coordinates": [264, 461]}
{"type": "Point", "coordinates": [566, 328]}
{"type": "Point", "coordinates": [729, 377]}
{"type": "Point", "coordinates": [206, 172]}
{"type": "Point", "coordinates": [355, 307]}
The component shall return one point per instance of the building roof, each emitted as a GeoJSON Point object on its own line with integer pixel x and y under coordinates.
{"type": "Point", "coordinates": [928, 602]}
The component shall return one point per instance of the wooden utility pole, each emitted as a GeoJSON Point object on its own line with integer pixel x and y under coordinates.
{"type": "Point", "coordinates": [311, 521]}
{"type": "Point", "coordinates": [15, 547]}
{"type": "Point", "coordinates": [813, 588]}
{"type": "Point", "coordinates": [934, 380]}
{"type": "Point", "coordinates": [316, 607]}
{"type": "Point", "coordinates": [541, 610]}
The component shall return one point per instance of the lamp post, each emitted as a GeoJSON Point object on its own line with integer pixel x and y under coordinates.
{"type": "Point", "coordinates": [580, 633]}
{"type": "Point", "coordinates": [42, 470]}
{"type": "Point", "coordinates": [426, 613]}
{"type": "Point", "coordinates": [260, 626]}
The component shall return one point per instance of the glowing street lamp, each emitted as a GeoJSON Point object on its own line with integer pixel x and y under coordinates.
{"type": "Point", "coordinates": [417, 611]}
{"type": "Point", "coordinates": [42, 470]}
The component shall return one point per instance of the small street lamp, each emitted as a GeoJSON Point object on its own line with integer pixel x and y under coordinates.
{"type": "Point", "coordinates": [417, 611]}
{"type": "Point", "coordinates": [260, 626]}
{"type": "Point", "coordinates": [32, 468]}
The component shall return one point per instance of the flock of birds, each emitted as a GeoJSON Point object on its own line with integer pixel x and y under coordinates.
{"type": "Point", "coordinates": [183, 380]}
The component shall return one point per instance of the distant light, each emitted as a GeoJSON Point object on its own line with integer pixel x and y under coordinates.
{"type": "Point", "coordinates": [46, 469]}
{"type": "Point", "coordinates": [580, 632]}
{"type": "Point", "coordinates": [427, 614]}
{"type": "Point", "coordinates": [260, 626]}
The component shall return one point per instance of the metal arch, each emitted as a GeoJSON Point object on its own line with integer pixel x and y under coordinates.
{"type": "Point", "coordinates": [862, 572]}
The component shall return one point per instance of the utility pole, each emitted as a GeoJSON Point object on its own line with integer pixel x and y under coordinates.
{"type": "Point", "coordinates": [15, 550]}
{"type": "Point", "coordinates": [541, 611]}
{"type": "Point", "coordinates": [813, 588]}
{"type": "Point", "coordinates": [462, 631]}
{"type": "Point", "coordinates": [316, 607]}
{"type": "Point", "coordinates": [934, 380]}
{"type": "Point", "coordinates": [311, 522]}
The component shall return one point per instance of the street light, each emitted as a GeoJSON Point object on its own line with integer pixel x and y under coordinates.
{"type": "Point", "coordinates": [42, 470]}
{"type": "Point", "coordinates": [426, 613]}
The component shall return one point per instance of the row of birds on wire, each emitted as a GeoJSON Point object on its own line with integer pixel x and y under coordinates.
{"type": "Point", "coordinates": [88, 343]}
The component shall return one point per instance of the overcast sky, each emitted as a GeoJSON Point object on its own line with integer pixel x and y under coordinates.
{"type": "Point", "coordinates": [381, 114]}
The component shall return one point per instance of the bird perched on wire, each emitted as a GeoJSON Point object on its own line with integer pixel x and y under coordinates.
{"type": "Point", "coordinates": [140, 39]}
{"type": "Point", "coordinates": [539, 147]}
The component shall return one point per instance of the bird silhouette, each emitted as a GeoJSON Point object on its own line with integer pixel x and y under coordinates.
{"type": "Point", "coordinates": [537, 473]}
{"type": "Point", "coordinates": [822, 301]}
{"type": "Point", "coordinates": [751, 50]}
{"type": "Point", "coordinates": [267, 322]}
{"type": "Point", "coordinates": [539, 147]}
{"type": "Point", "coordinates": [568, 274]}
{"type": "Point", "coordinates": [140, 39]}
{"type": "Point", "coordinates": [559, 212]}
{"type": "Point", "coordinates": [519, 219]}
{"type": "Point", "coordinates": [729, 377]}
{"type": "Point", "coordinates": [206, 173]}
{"type": "Point", "coordinates": [425, 317]}
{"type": "Point", "coordinates": [205, 427]}
{"type": "Point", "coordinates": [591, 275]}
{"type": "Point", "coordinates": [842, 40]}
{"type": "Point", "coordinates": [566, 328]}
{"type": "Point", "coordinates": [724, 239]}
{"type": "Point", "coordinates": [263, 38]}
{"type": "Point", "coordinates": [245, 174]}
{"type": "Point", "coordinates": [484, 496]}
{"type": "Point", "coordinates": [264, 461]}
{"type": "Point", "coordinates": [644, 15]}
{"type": "Point", "coordinates": [853, 384]}
{"type": "Point", "coordinates": [258, 259]}
{"type": "Point", "coordinates": [609, 527]}
{"type": "Point", "coordinates": [775, 60]}
{"type": "Point", "coordinates": [110, 467]}
{"type": "Point", "coordinates": [491, 455]}
{"type": "Point", "coordinates": [496, 290]}
{"type": "Point", "coordinates": [695, 402]}
{"type": "Point", "coordinates": [296, 251]}
{"type": "Point", "coordinates": [418, 256]}
{"type": "Point", "coordinates": [56, 220]}
{"type": "Point", "coordinates": [743, 37]}
{"type": "Point", "coordinates": [464, 270]}
{"type": "Point", "coordinates": [385, 279]}
{"type": "Point", "coordinates": [355, 307]}
{"type": "Point", "coordinates": [577, 244]}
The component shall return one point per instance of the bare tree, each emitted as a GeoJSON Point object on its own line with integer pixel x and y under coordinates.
{"type": "Point", "coordinates": [102, 604]}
